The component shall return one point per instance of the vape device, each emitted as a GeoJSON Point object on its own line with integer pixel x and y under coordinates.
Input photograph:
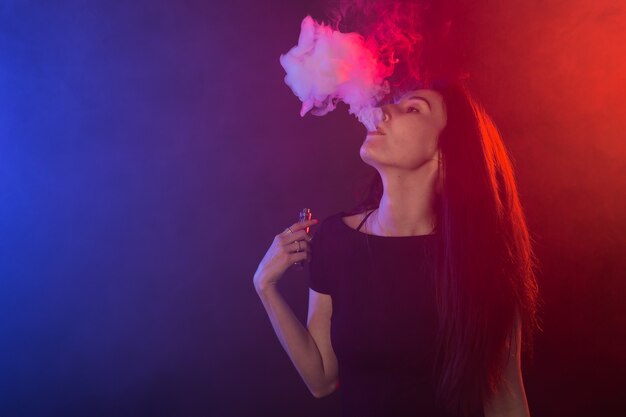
{"type": "Point", "coordinates": [304, 215]}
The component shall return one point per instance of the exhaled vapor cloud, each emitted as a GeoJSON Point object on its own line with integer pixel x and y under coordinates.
{"type": "Point", "coordinates": [327, 66]}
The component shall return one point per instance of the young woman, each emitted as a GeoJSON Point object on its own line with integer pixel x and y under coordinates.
{"type": "Point", "coordinates": [421, 297]}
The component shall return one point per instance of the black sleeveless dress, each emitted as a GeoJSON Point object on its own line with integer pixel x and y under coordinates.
{"type": "Point", "coordinates": [384, 317]}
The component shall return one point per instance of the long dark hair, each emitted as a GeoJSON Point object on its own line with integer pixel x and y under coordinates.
{"type": "Point", "coordinates": [485, 267]}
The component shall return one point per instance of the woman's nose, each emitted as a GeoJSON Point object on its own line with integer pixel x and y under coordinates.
{"type": "Point", "coordinates": [386, 112]}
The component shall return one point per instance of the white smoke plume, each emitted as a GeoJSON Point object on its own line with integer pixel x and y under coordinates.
{"type": "Point", "coordinates": [327, 66]}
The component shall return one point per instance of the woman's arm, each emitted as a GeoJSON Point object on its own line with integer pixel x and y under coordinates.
{"type": "Point", "coordinates": [296, 340]}
{"type": "Point", "coordinates": [510, 399]}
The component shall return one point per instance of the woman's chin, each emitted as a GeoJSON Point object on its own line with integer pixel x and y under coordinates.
{"type": "Point", "coordinates": [367, 155]}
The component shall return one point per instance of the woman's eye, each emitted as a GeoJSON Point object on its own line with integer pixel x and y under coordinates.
{"type": "Point", "coordinates": [414, 108]}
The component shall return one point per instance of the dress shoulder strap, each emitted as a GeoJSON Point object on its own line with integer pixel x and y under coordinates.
{"type": "Point", "coordinates": [364, 218]}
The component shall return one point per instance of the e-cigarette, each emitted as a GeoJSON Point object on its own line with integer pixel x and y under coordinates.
{"type": "Point", "coordinates": [304, 215]}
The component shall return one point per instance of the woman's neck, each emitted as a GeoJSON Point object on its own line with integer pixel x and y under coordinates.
{"type": "Point", "coordinates": [406, 208]}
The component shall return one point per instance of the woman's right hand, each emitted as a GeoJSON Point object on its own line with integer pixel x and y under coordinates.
{"type": "Point", "coordinates": [283, 253]}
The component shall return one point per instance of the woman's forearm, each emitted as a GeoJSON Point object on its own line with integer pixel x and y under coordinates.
{"type": "Point", "coordinates": [296, 340]}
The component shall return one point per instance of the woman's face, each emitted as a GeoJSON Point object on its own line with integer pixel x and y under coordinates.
{"type": "Point", "coordinates": [410, 128]}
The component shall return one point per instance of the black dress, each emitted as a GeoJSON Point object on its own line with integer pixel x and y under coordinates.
{"type": "Point", "coordinates": [384, 317]}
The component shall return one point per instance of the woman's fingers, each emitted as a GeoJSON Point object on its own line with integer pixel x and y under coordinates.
{"type": "Point", "coordinates": [298, 257]}
{"type": "Point", "coordinates": [300, 226]}
{"type": "Point", "coordinates": [296, 240]}
{"type": "Point", "coordinates": [299, 235]}
{"type": "Point", "coordinates": [299, 246]}
{"type": "Point", "coordinates": [289, 247]}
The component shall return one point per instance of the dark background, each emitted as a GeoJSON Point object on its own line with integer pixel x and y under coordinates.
{"type": "Point", "coordinates": [150, 151]}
